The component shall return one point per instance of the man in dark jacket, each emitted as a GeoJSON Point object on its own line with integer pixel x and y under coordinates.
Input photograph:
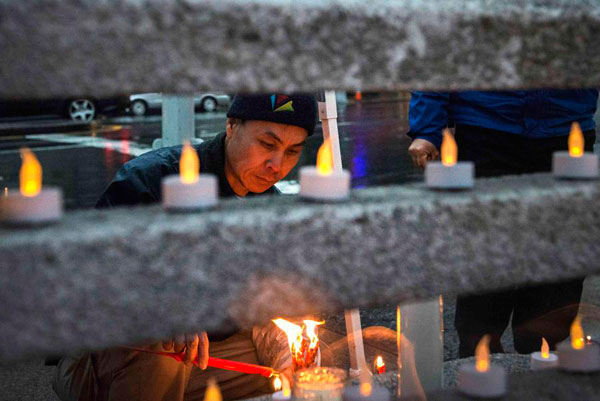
{"type": "Point", "coordinates": [263, 140]}
{"type": "Point", "coordinates": [513, 132]}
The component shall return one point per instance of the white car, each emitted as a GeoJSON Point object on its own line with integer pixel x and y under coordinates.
{"type": "Point", "coordinates": [139, 104]}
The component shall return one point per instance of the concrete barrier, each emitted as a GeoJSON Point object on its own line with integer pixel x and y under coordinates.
{"type": "Point", "coordinates": [101, 278]}
{"type": "Point", "coordinates": [102, 48]}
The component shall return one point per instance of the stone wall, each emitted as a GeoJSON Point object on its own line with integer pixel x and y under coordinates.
{"type": "Point", "coordinates": [102, 48]}
{"type": "Point", "coordinates": [101, 278]}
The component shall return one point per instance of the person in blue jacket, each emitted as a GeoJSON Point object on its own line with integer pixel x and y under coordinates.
{"type": "Point", "coordinates": [510, 132]}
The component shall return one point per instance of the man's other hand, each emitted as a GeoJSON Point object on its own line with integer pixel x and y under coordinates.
{"type": "Point", "coordinates": [195, 346]}
{"type": "Point", "coordinates": [422, 151]}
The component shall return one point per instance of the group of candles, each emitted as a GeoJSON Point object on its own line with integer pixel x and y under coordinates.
{"type": "Point", "coordinates": [486, 380]}
{"type": "Point", "coordinates": [450, 174]}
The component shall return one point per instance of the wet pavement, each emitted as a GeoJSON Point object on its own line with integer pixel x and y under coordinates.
{"type": "Point", "coordinates": [372, 137]}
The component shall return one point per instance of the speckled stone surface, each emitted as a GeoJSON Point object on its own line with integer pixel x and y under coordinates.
{"type": "Point", "coordinates": [85, 47]}
{"type": "Point", "coordinates": [101, 278]}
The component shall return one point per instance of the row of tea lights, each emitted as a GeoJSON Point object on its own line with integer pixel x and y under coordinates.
{"type": "Point", "coordinates": [191, 191]}
{"type": "Point", "coordinates": [481, 379]}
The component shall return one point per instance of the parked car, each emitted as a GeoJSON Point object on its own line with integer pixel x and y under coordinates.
{"type": "Point", "coordinates": [141, 103]}
{"type": "Point", "coordinates": [83, 109]}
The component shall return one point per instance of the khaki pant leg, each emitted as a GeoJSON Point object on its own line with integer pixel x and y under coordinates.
{"type": "Point", "coordinates": [76, 379]}
{"type": "Point", "coordinates": [139, 376]}
{"type": "Point", "coordinates": [234, 385]}
{"type": "Point", "coordinates": [121, 375]}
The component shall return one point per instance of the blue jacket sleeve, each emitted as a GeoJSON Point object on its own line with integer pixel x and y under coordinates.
{"type": "Point", "coordinates": [428, 115]}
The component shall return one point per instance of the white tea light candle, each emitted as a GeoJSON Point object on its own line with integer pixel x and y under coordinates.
{"type": "Point", "coordinates": [33, 205]}
{"type": "Point", "coordinates": [483, 379]}
{"type": "Point", "coordinates": [543, 359]}
{"type": "Point", "coordinates": [449, 174]}
{"type": "Point", "coordinates": [576, 355]}
{"type": "Point", "coordinates": [322, 183]}
{"type": "Point", "coordinates": [575, 164]}
{"type": "Point", "coordinates": [189, 190]}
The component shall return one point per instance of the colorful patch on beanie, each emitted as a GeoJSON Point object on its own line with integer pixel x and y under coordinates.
{"type": "Point", "coordinates": [281, 103]}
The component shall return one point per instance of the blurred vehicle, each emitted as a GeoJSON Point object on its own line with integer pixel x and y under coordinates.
{"type": "Point", "coordinates": [141, 103]}
{"type": "Point", "coordinates": [83, 109]}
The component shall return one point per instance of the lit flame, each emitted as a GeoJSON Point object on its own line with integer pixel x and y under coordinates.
{"type": "Point", "coordinates": [213, 393]}
{"type": "Point", "coordinates": [482, 354]}
{"type": "Point", "coordinates": [292, 331]}
{"type": "Point", "coordinates": [576, 141]}
{"type": "Point", "coordinates": [311, 332]}
{"type": "Point", "coordinates": [379, 365]}
{"type": "Point", "coordinates": [588, 339]}
{"type": "Point", "coordinates": [449, 149]}
{"type": "Point", "coordinates": [286, 388]}
{"type": "Point", "coordinates": [366, 387]}
{"type": "Point", "coordinates": [545, 349]}
{"type": "Point", "coordinates": [303, 347]}
{"type": "Point", "coordinates": [325, 158]}
{"type": "Point", "coordinates": [577, 335]}
{"type": "Point", "coordinates": [277, 383]}
{"type": "Point", "coordinates": [189, 164]}
{"type": "Point", "coordinates": [30, 174]}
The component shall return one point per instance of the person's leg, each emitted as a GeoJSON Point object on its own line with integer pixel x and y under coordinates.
{"type": "Point", "coordinates": [544, 311]}
{"type": "Point", "coordinates": [493, 152]}
{"type": "Point", "coordinates": [478, 315]}
{"type": "Point", "coordinates": [238, 347]}
{"type": "Point", "coordinates": [121, 374]}
{"type": "Point", "coordinates": [75, 379]}
{"type": "Point", "coordinates": [128, 375]}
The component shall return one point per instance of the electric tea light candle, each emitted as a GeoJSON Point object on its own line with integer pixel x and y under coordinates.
{"type": "Point", "coordinates": [189, 190]}
{"type": "Point", "coordinates": [577, 355]}
{"type": "Point", "coordinates": [32, 205]}
{"type": "Point", "coordinates": [575, 163]}
{"type": "Point", "coordinates": [449, 174]}
{"type": "Point", "coordinates": [366, 391]}
{"type": "Point", "coordinates": [322, 183]}
{"type": "Point", "coordinates": [282, 384]}
{"type": "Point", "coordinates": [483, 379]}
{"type": "Point", "coordinates": [543, 359]}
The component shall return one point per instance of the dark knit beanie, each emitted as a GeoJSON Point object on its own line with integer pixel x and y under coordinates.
{"type": "Point", "coordinates": [297, 109]}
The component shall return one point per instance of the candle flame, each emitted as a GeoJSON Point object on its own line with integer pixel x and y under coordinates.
{"type": "Point", "coordinates": [311, 332]}
{"type": "Point", "coordinates": [189, 164]}
{"type": "Point", "coordinates": [379, 365]}
{"type": "Point", "coordinates": [366, 389]}
{"type": "Point", "coordinates": [292, 331]}
{"type": "Point", "coordinates": [30, 175]}
{"type": "Point", "coordinates": [482, 354]}
{"type": "Point", "coordinates": [366, 386]}
{"type": "Point", "coordinates": [576, 141]}
{"type": "Point", "coordinates": [277, 383]}
{"type": "Point", "coordinates": [286, 388]}
{"type": "Point", "coordinates": [449, 149]}
{"type": "Point", "coordinates": [302, 340]}
{"type": "Point", "coordinates": [588, 339]}
{"type": "Point", "coordinates": [325, 158]}
{"type": "Point", "coordinates": [213, 393]}
{"type": "Point", "coordinates": [577, 335]}
{"type": "Point", "coordinates": [545, 349]}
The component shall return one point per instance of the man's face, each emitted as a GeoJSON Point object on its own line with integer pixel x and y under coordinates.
{"type": "Point", "coordinates": [260, 153]}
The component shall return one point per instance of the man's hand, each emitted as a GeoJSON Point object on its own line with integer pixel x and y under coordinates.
{"type": "Point", "coordinates": [422, 151]}
{"type": "Point", "coordinates": [195, 345]}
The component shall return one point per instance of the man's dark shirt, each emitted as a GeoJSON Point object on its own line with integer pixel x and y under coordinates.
{"type": "Point", "coordinates": [139, 180]}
